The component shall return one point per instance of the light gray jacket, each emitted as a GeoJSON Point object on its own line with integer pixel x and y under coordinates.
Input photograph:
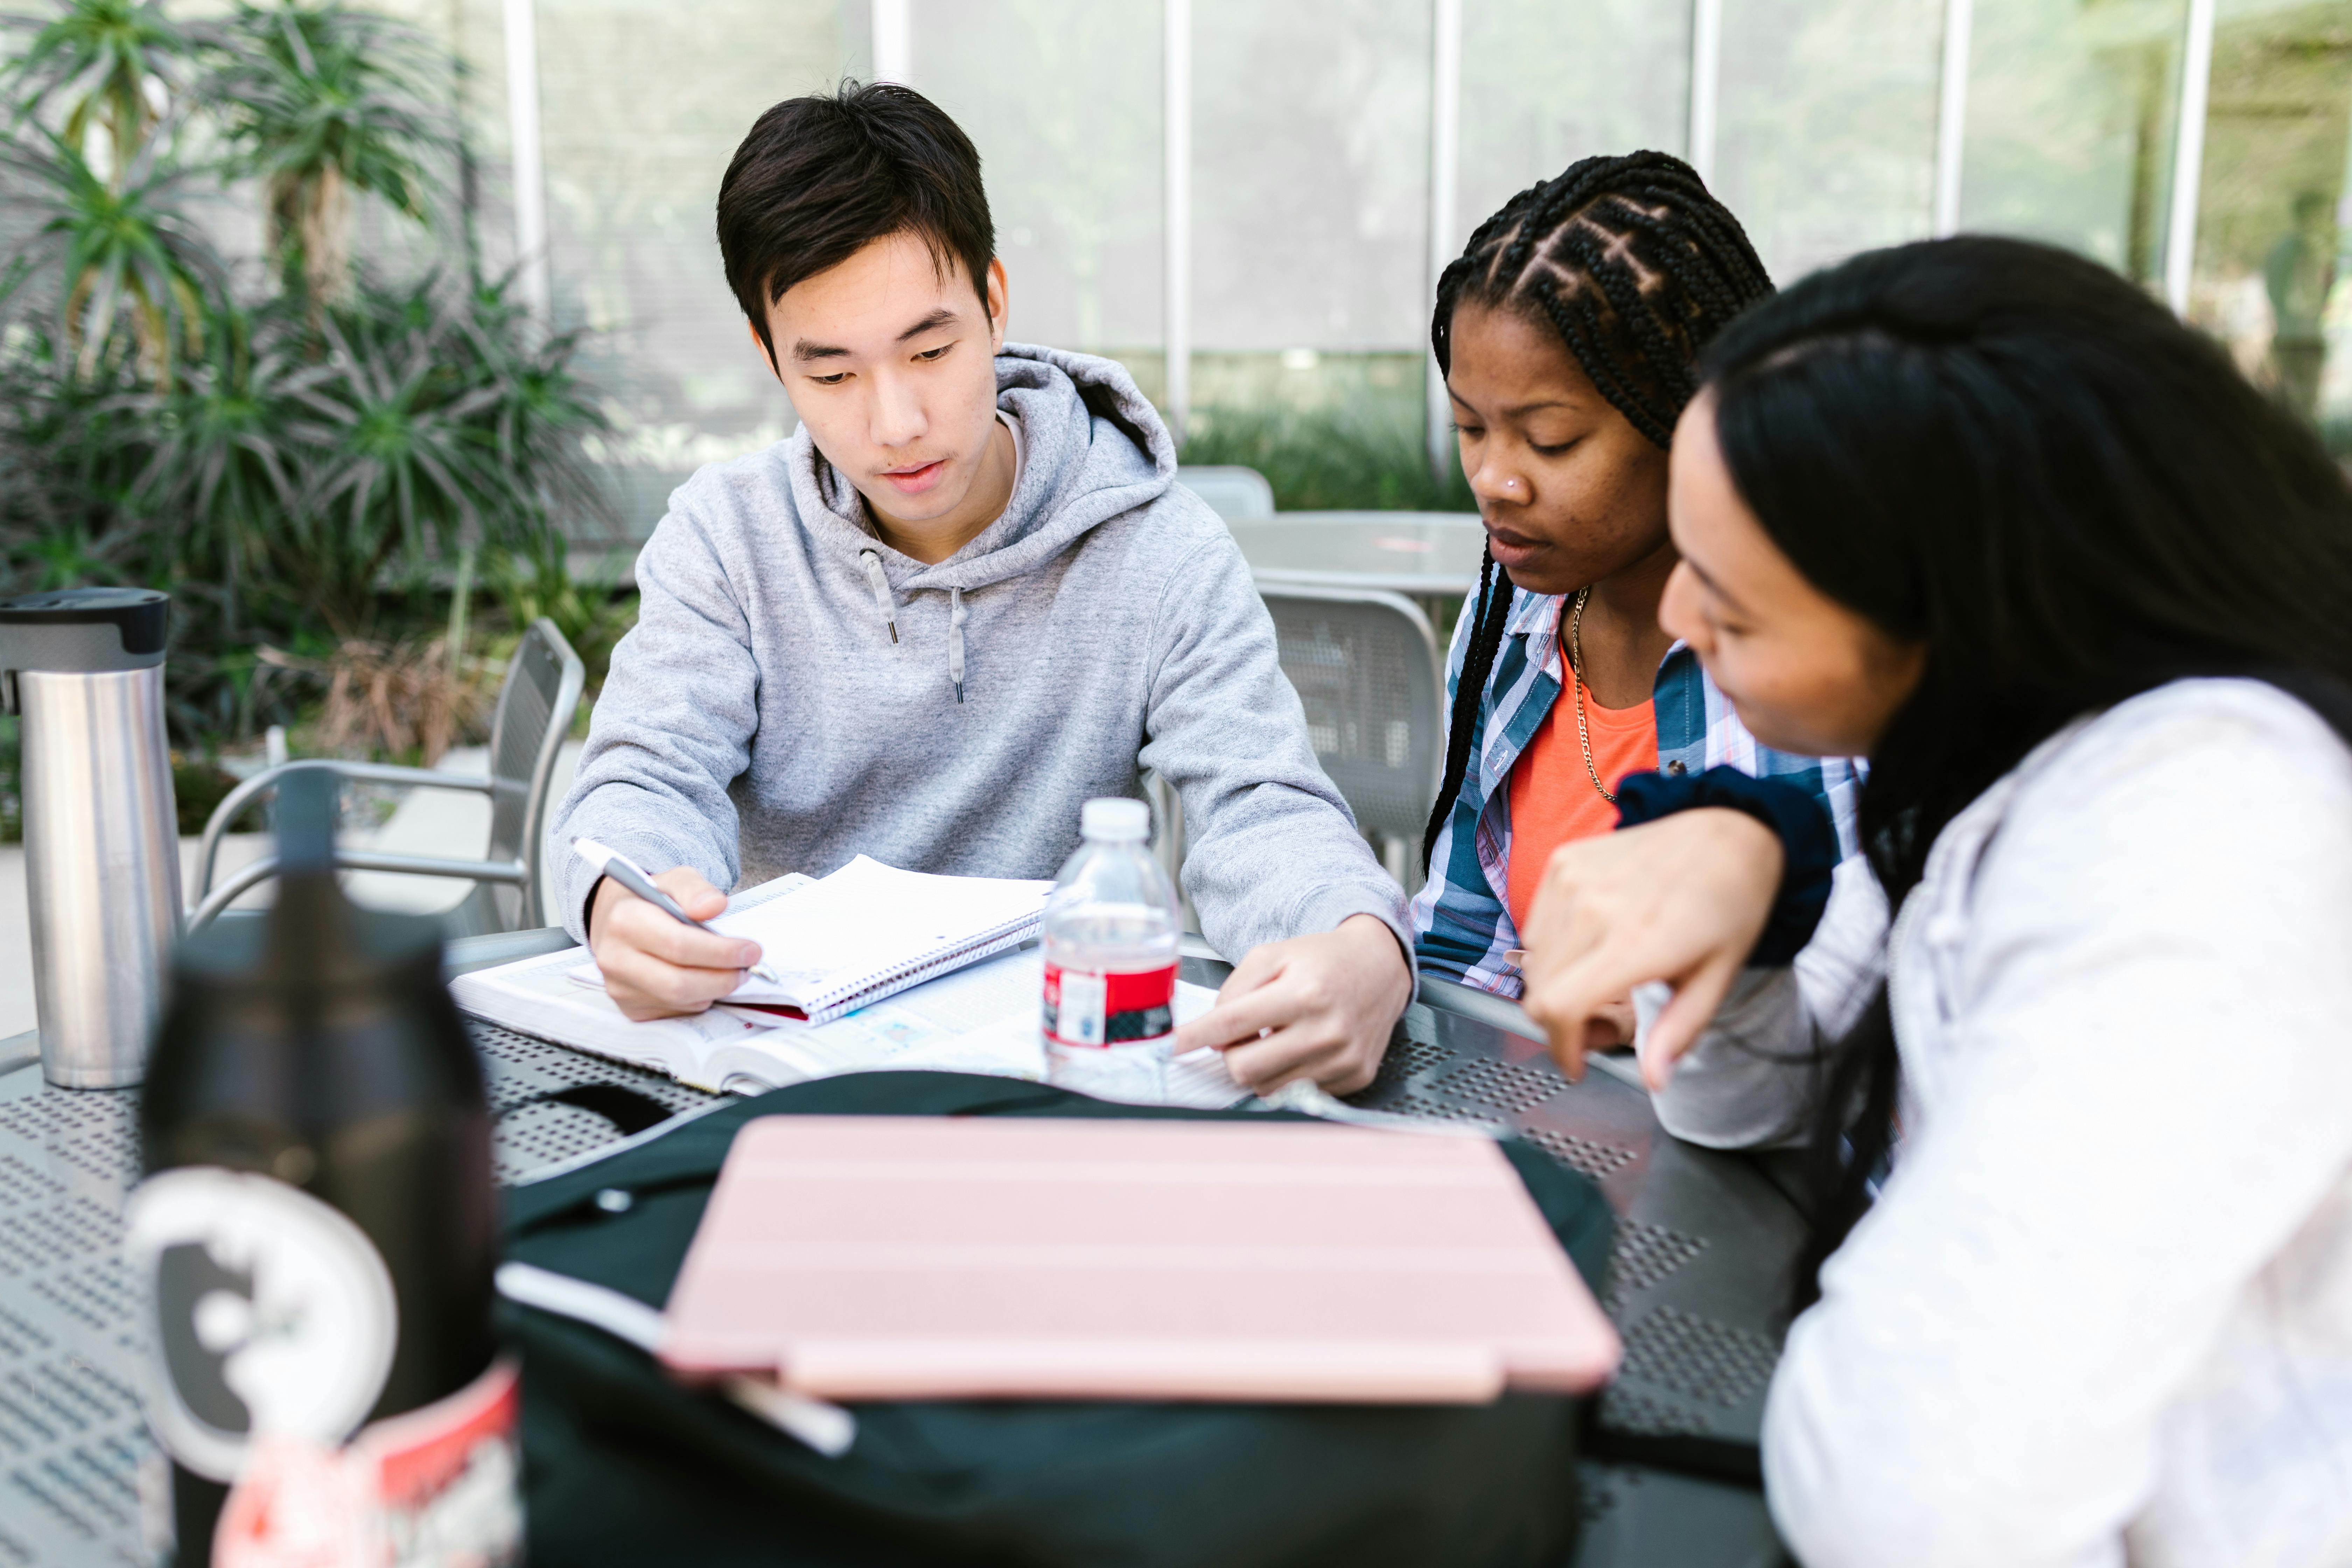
{"type": "Point", "coordinates": [796, 692]}
{"type": "Point", "coordinates": [2102, 1311]}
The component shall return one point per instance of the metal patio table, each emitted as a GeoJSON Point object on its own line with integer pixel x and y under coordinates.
{"type": "Point", "coordinates": [1430, 556]}
{"type": "Point", "coordinates": [1703, 1243]}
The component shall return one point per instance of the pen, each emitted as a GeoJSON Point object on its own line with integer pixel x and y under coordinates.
{"type": "Point", "coordinates": [632, 876]}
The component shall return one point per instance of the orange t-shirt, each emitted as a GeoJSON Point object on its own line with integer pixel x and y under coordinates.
{"type": "Point", "coordinates": [1552, 798]}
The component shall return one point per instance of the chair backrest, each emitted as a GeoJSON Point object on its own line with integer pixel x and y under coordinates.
{"type": "Point", "coordinates": [534, 717]}
{"type": "Point", "coordinates": [1232, 490]}
{"type": "Point", "coordinates": [1366, 670]}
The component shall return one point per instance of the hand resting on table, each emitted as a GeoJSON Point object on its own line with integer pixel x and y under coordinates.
{"type": "Point", "coordinates": [1681, 899]}
{"type": "Point", "coordinates": [1316, 1007]}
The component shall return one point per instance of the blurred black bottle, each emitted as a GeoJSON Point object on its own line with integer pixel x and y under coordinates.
{"type": "Point", "coordinates": [318, 1220]}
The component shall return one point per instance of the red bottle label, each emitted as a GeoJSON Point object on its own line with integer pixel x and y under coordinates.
{"type": "Point", "coordinates": [1119, 1009]}
{"type": "Point", "coordinates": [437, 1486]}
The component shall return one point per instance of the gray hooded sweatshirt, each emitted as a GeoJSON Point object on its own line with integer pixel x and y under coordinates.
{"type": "Point", "coordinates": [796, 692]}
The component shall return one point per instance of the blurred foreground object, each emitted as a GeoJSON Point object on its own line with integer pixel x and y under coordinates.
{"type": "Point", "coordinates": [315, 1229]}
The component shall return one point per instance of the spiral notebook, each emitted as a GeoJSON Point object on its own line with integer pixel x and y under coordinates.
{"type": "Point", "coordinates": [870, 931]}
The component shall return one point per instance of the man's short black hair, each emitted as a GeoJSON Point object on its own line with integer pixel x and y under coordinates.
{"type": "Point", "coordinates": [820, 178]}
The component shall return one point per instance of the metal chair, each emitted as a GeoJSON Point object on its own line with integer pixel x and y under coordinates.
{"type": "Point", "coordinates": [1168, 840]}
{"type": "Point", "coordinates": [1232, 490]}
{"type": "Point", "coordinates": [534, 714]}
{"type": "Point", "coordinates": [1367, 670]}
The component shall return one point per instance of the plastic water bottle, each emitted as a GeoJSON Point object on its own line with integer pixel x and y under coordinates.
{"type": "Point", "coordinates": [1111, 934]}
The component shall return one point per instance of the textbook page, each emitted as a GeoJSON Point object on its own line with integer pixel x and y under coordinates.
{"type": "Point", "coordinates": [540, 997]}
{"type": "Point", "coordinates": [983, 1019]}
{"type": "Point", "coordinates": [956, 1023]}
{"type": "Point", "coordinates": [1139, 1074]}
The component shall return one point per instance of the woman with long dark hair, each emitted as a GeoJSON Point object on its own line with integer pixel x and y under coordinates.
{"type": "Point", "coordinates": [2072, 1044]}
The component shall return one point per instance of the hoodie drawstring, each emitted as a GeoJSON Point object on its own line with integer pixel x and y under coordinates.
{"type": "Point", "coordinates": [888, 609]}
{"type": "Point", "coordinates": [882, 601]}
{"type": "Point", "coordinates": [955, 640]}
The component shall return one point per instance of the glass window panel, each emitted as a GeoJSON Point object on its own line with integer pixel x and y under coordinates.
{"type": "Point", "coordinates": [1825, 139]}
{"type": "Point", "coordinates": [639, 115]}
{"type": "Point", "coordinates": [1310, 171]}
{"type": "Point", "coordinates": [384, 241]}
{"type": "Point", "coordinates": [1545, 82]}
{"type": "Point", "coordinates": [1063, 98]}
{"type": "Point", "coordinates": [2070, 126]}
{"type": "Point", "coordinates": [2271, 210]}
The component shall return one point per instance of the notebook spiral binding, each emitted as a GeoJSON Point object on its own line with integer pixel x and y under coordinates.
{"type": "Point", "coordinates": [847, 999]}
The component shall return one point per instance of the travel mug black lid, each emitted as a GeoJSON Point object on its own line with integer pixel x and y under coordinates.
{"type": "Point", "coordinates": [83, 630]}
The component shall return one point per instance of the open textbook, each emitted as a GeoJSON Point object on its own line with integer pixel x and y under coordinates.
{"type": "Point", "coordinates": [983, 1017]}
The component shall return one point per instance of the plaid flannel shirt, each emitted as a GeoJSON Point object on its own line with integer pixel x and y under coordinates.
{"type": "Point", "coordinates": [1462, 916]}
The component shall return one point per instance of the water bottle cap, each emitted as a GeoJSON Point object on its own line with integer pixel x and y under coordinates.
{"type": "Point", "coordinates": [1115, 819]}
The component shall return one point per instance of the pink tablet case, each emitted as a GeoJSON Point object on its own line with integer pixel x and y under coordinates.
{"type": "Point", "coordinates": [915, 1257]}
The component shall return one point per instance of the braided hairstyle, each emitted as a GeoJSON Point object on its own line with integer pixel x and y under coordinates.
{"type": "Point", "coordinates": [1636, 266]}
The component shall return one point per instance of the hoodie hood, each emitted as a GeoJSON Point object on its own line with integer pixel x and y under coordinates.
{"type": "Point", "coordinates": [1093, 448]}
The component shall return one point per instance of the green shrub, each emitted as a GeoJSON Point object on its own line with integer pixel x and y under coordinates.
{"type": "Point", "coordinates": [197, 788]}
{"type": "Point", "coordinates": [589, 610]}
{"type": "Point", "coordinates": [293, 457]}
{"type": "Point", "coordinates": [1322, 460]}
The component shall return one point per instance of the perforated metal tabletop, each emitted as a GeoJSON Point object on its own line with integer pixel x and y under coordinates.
{"type": "Point", "coordinates": [1702, 1246]}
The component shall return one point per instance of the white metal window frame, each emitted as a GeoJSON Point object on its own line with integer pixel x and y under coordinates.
{"type": "Point", "coordinates": [529, 163]}
{"type": "Point", "coordinates": [1176, 221]}
{"type": "Point", "coordinates": [2188, 146]}
{"type": "Point", "coordinates": [1706, 84]}
{"type": "Point", "coordinates": [1444, 186]}
{"type": "Point", "coordinates": [893, 43]}
{"type": "Point", "coordinates": [2189, 155]}
{"type": "Point", "coordinates": [893, 26]}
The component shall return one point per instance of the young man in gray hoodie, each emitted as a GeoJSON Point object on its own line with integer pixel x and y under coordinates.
{"type": "Point", "coordinates": [963, 598]}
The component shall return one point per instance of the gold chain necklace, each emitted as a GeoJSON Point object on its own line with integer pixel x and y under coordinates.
{"type": "Point", "coordinates": [1576, 673]}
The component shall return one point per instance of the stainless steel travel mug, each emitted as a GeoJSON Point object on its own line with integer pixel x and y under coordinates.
{"type": "Point", "coordinates": [84, 670]}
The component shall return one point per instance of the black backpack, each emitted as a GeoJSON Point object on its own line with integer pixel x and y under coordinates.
{"type": "Point", "coordinates": [622, 1464]}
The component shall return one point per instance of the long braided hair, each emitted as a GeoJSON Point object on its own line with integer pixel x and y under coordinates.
{"type": "Point", "coordinates": [1636, 266]}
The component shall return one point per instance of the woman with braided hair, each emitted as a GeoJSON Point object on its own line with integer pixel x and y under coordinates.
{"type": "Point", "coordinates": [1568, 332]}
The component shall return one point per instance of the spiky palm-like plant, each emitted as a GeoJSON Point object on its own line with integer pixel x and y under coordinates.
{"type": "Point", "coordinates": [406, 460]}
{"type": "Point", "coordinates": [542, 408]}
{"type": "Point", "coordinates": [289, 466]}
{"type": "Point", "coordinates": [116, 63]}
{"type": "Point", "coordinates": [222, 468]}
{"type": "Point", "coordinates": [111, 251]}
{"type": "Point", "coordinates": [321, 101]}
